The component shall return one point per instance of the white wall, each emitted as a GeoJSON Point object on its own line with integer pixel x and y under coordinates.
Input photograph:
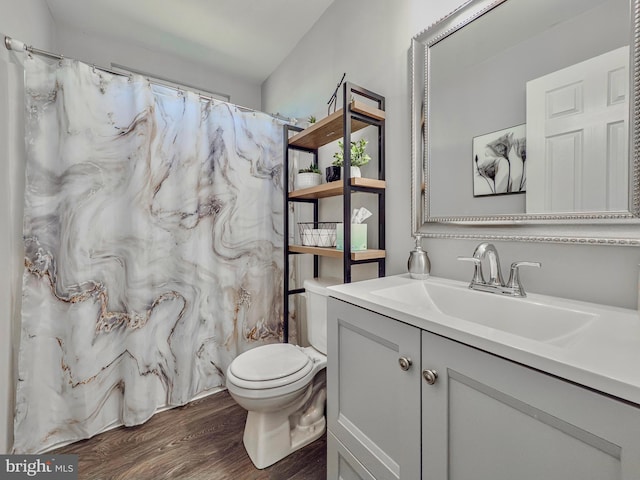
{"type": "Point", "coordinates": [27, 20]}
{"type": "Point", "coordinates": [369, 39]}
{"type": "Point", "coordinates": [94, 49]}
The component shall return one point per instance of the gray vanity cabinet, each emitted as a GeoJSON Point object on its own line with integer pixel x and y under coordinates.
{"type": "Point", "coordinates": [489, 418]}
{"type": "Point", "coordinates": [373, 408]}
{"type": "Point", "coordinates": [459, 413]}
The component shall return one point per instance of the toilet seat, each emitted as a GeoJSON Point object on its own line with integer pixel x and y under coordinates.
{"type": "Point", "coordinates": [270, 366]}
{"type": "Point", "coordinates": [283, 386]}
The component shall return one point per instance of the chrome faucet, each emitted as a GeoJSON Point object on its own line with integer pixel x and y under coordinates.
{"type": "Point", "coordinates": [513, 287]}
{"type": "Point", "coordinates": [488, 250]}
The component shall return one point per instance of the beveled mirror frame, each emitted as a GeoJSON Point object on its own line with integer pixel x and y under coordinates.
{"type": "Point", "coordinates": [601, 228]}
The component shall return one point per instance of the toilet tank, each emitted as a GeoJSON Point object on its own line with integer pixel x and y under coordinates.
{"type": "Point", "coordinates": [316, 294]}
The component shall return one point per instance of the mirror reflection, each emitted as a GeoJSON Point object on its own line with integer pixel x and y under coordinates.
{"type": "Point", "coordinates": [528, 111]}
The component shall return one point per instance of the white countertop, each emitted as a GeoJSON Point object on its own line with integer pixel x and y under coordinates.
{"type": "Point", "coordinates": [604, 355]}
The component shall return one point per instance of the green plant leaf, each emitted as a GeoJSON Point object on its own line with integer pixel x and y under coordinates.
{"type": "Point", "coordinates": [310, 169]}
{"type": "Point", "coordinates": [359, 156]}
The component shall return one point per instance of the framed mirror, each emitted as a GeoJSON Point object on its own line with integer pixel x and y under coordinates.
{"type": "Point", "coordinates": [524, 122]}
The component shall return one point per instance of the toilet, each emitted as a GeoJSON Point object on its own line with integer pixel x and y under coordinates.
{"type": "Point", "coordinates": [283, 386]}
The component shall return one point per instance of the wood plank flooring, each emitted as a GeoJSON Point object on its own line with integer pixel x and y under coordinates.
{"type": "Point", "coordinates": [200, 441]}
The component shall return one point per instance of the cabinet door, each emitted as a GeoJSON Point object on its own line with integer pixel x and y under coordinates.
{"type": "Point", "coordinates": [489, 418]}
{"type": "Point", "coordinates": [341, 464]}
{"type": "Point", "coordinates": [373, 405]}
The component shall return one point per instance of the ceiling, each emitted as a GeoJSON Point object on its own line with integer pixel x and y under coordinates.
{"type": "Point", "coordinates": [247, 38]}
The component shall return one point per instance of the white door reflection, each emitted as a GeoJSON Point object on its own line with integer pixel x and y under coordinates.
{"type": "Point", "coordinates": [576, 117]}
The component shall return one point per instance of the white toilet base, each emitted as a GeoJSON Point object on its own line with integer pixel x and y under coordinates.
{"type": "Point", "coordinates": [271, 436]}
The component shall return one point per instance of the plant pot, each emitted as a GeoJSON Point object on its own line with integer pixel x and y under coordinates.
{"type": "Point", "coordinates": [333, 173]}
{"type": "Point", "coordinates": [355, 172]}
{"type": "Point", "coordinates": [308, 179]}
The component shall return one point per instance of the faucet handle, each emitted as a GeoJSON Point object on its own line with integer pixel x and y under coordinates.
{"type": "Point", "coordinates": [478, 278]}
{"type": "Point", "coordinates": [514, 277]}
{"type": "Point", "coordinates": [515, 265]}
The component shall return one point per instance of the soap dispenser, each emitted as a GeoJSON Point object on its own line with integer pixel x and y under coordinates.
{"type": "Point", "coordinates": [418, 264]}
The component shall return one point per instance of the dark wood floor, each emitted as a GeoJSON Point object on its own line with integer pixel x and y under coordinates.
{"type": "Point", "coordinates": [200, 441]}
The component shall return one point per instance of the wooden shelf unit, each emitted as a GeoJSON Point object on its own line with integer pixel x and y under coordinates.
{"type": "Point", "coordinates": [355, 115]}
{"type": "Point", "coordinates": [331, 128]}
{"type": "Point", "coordinates": [335, 189]}
{"type": "Point", "coordinates": [334, 253]}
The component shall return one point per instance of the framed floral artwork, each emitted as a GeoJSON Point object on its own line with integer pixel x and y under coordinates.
{"type": "Point", "coordinates": [499, 162]}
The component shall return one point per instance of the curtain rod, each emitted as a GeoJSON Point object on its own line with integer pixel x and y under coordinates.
{"type": "Point", "coordinates": [18, 46]}
{"type": "Point", "coordinates": [168, 81]}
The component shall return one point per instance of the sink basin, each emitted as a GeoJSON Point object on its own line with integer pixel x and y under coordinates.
{"type": "Point", "coordinates": [537, 317]}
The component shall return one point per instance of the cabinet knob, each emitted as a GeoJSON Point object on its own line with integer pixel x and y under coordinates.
{"type": "Point", "coordinates": [430, 376]}
{"type": "Point", "coordinates": [405, 363]}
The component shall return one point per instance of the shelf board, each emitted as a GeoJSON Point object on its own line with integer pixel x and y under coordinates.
{"type": "Point", "coordinates": [332, 252]}
{"type": "Point", "coordinates": [330, 128]}
{"type": "Point", "coordinates": [334, 189]}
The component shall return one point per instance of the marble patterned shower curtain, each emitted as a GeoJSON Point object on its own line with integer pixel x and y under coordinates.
{"type": "Point", "coordinates": [153, 248]}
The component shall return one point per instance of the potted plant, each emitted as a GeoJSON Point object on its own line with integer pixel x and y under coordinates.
{"type": "Point", "coordinates": [308, 177]}
{"type": "Point", "coordinates": [359, 156]}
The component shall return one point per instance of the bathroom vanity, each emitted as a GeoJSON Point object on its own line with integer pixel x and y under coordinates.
{"type": "Point", "coordinates": [428, 379]}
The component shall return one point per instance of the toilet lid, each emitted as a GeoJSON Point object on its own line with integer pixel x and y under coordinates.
{"type": "Point", "coordinates": [270, 362]}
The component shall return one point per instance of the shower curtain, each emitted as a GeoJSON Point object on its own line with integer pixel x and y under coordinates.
{"type": "Point", "coordinates": [153, 248]}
